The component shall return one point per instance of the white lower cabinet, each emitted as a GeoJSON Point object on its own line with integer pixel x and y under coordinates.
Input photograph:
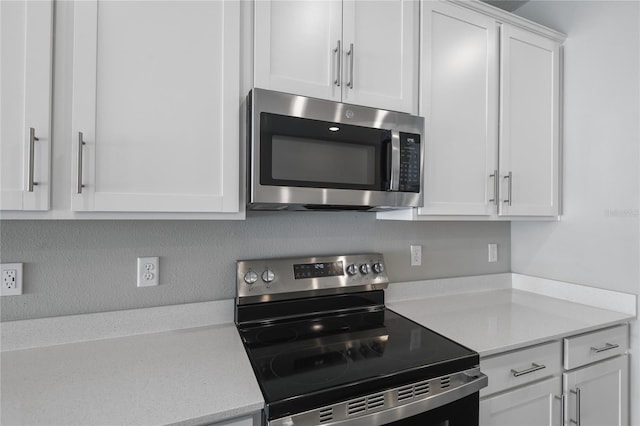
{"type": "Point", "coordinates": [583, 380]}
{"type": "Point", "coordinates": [597, 393]}
{"type": "Point", "coordinates": [538, 404]}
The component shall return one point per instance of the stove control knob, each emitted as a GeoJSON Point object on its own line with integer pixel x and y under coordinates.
{"type": "Point", "coordinates": [365, 268]}
{"type": "Point", "coordinates": [268, 275]}
{"type": "Point", "coordinates": [352, 269]}
{"type": "Point", "coordinates": [250, 277]}
{"type": "Point", "coordinates": [378, 268]}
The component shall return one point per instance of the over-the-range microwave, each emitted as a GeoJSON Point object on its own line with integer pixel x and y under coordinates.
{"type": "Point", "coordinates": [313, 154]}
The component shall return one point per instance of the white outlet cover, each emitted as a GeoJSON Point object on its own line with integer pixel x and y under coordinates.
{"type": "Point", "coordinates": [416, 255]}
{"type": "Point", "coordinates": [8, 271]}
{"type": "Point", "coordinates": [148, 274]}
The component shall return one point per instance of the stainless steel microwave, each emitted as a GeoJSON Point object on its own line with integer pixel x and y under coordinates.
{"type": "Point", "coordinates": [312, 154]}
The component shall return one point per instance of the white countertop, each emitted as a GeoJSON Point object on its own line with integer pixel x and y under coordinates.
{"type": "Point", "coordinates": [498, 320]}
{"type": "Point", "coordinates": [186, 364]}
{"type": "Point", "coordinates": [189, 376]}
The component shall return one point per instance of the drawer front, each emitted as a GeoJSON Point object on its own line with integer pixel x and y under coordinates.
{"type": "Point", "coordinates": [598, 345]}
{"type": "Point", "coordinates": [520, 367]}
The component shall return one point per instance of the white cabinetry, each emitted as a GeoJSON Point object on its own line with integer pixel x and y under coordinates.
{"type": "Point", "coordinates": [25, 94]}
{"type": "Point", "coordinates": [155, 106]}
{"type": "Point", "coordinates": [597, 393]}
{"type": "Point", "coordinates": [459, 99]}
{"type": "Point", "coordinates": [529, 129]}
{"type": "Point", "coordinates": [490, 86]}
{"type": "Point", "coordinates": [354, 51]}
{"type": "Point", "coordinates": [538, 404]}
{"type": "Point", "coordinates": [525, 387]}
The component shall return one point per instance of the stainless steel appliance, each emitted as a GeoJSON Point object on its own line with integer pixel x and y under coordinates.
{"type": "Point", "coordinates": [326, 350]}
{"type": "Point", "coordinates": [312, 154]}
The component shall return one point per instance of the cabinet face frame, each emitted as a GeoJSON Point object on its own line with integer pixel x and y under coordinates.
{"type": "Point", "coordinates": [36, 27]}
{"type": "Point", "coordinates": [516, 151]}
{"type": "Point", "coordinates": [85, 117]}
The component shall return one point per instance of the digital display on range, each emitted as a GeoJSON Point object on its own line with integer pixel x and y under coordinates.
{"type": "Point", "coordinates": [316, 270]}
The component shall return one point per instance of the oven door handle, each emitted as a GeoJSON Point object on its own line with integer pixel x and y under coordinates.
{"type": "Point", "coordinates": [473, 383]}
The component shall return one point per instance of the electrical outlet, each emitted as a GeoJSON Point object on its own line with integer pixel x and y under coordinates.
{"type": "Point", "coordinates": [148, 271]}
{"type": "Point", "coordinates": [416, 255]}
{"type": "Point", "coordinates": [492, 249]}
{"type": "Point", "coordinates": [11, 279]}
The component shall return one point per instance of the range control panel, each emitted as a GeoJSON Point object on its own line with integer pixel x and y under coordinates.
{"type": "Point", "coordinates": [271, 279]}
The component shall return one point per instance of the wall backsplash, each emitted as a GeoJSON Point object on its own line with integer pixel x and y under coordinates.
{"type": "Point", "coordinates": [74, 267]}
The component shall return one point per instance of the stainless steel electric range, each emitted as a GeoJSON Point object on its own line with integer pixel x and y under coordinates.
{"type": "Point", "coordinates": [326, 350]}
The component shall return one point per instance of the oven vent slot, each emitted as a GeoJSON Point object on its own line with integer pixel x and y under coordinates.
{"type": "Point", "coordinates": [356, 406]}
{"type": "Point", "coordinates": [445, 382]}
{"type": "Point", "coordinates": [421, 389]}
{"type": "Point", "coordinates": [375, 401]}
{"type": "Point", "coordinates": [368, 403]}
{"type": "Point", "coordinates": [326, 414]}
{"type": "Point", "coordinates": [412, 391]}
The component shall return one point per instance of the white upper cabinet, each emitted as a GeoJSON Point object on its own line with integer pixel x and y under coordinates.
{"type": "Point", "coordinates": [459, 100]}
{"type": "Point", "coordinates": [297, 47]}
{"type": "Point", "coordinates": [156, 106]}
{"type": "Point", "coordinates": [25, 95]}
{"type": "Point", "coordinates": [529, 132]}
{"type": "Point", "coordinates": [354, 51]}
{"type": "Point", "coordinates": [490, 93]}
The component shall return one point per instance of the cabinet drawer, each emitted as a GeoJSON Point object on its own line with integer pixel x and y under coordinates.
{"type": "Point", "coordinates": [520, 367]}
{"type": "Point", "coordinates": [598, 345]}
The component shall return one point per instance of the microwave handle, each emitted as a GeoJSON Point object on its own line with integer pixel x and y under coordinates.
{"type": "Point", "coordinates": [394, 146]}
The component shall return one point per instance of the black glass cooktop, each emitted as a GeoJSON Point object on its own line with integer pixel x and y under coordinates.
{"type": "Point", "coordinates": [305, 364]}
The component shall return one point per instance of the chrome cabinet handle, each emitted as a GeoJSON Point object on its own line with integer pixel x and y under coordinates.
{"type": "Point", "coordinates": [81, 142]}
{"type": "Point", "coordinates": [338, 52]}
{"type": "Point", "coordinates": [606, 347]}
{"type": "Point", "coordinates": [562, 401]}
{"type": "Point", "coordinates": [577, 420]}
{"type": "Point", "coordinates": [32, 149]}
{"type": "Point", "coordinates": [510, 177]}
{"type": "Point", "coordinates": [534, 367]}
{"type": "Point", "coordinates": [495, 187]}
{"type": "Point", "coordinates": [350, 54]}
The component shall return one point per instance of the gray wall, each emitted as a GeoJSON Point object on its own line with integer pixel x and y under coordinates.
{"type": "Point", "coordinates": [74, 267]}
{"type": "Point", "coordinates": [598, 240]}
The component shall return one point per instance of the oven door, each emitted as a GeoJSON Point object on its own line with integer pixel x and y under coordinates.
{"type": "Point", "coordinates": [455, 404]}
{"type": "Point", "coordinates": [463, 412]}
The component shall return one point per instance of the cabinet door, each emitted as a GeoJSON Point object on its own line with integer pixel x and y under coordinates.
{"type": "Point", "coordinates": [529, 145]}
{"type": "Point", "coordinates": [297, 47]}
{"type": "Point", "coordinates": [459, 98]}
{"type": "Point", "coordinates": [538, 404]}
{"type": "Point", "coordinates": [25, 88]}
{"type": "Point", "coordinates": [156, 101]}
{"type": "Point", "coordinates": [599, 394]}
{"type": "Point", "coordinates": [380, 59]}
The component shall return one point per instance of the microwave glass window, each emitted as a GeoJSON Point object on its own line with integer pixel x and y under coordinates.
{"type": "Point", "coordinates": [311, 160]}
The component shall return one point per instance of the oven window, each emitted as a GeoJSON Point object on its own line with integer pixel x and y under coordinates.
{"type": "Point", "coordinates": [301, 152]}
{"type": "Point", "coordinates": [313, 160]}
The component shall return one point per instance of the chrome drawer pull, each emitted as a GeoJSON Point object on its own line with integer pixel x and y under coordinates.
{"type": "Point", "coordinates": [534, 367]}
{"type": "Point", "coordinates": [606, 347]}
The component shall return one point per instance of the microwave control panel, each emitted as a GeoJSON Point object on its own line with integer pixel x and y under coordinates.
{"type": "Point", "coordinates": [409, 163]}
